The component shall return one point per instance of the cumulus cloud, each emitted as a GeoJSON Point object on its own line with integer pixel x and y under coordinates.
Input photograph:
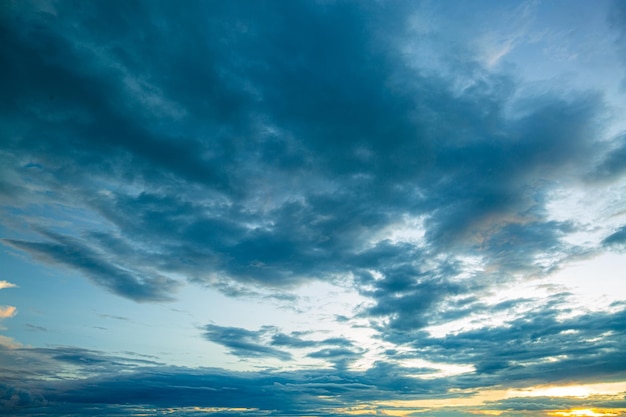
{"type": "Point", "coordinates": [7, 311]}
{"type": "Point", "coordinates": [6, 284]}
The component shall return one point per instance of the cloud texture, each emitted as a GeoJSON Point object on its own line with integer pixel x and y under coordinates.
{"type": "Point", "coordinates": [254, 148]}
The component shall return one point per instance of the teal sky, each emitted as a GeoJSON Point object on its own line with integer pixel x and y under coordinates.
{"type": "Point", "coordinates": [298, 208]}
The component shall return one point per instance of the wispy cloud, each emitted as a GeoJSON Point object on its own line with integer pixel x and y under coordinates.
{"type": "Point", "coordinates": [36, 328]}
{"type": "Point", "coordinates": [243, 343]}
{"type": "Point", "coordinates": [68, 251]}
{"type": "Point", "coordinates": [270, 342]}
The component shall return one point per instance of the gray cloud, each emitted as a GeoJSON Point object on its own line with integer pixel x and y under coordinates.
{"type": "Point", "coordinates": [540, 347]}
{"type": "Point", "coordinates": [266, 160]}
{"type": "Point", "coordinates": [586, 347]}
{"type": "Point", "coordinates": [616, 238]}
{"type": "Point", "coordinates": [340, 357]}
{"type": "Point", "coordinates": [105, 390]}
{"type": "Point", "coordinates": [286, 148]}
{"type": "Point", "coordinates": [68, 251]}
{"type": "Point", "coordinates": [243, 343]}
{"type": "Point", "coordinates": [266, 342]}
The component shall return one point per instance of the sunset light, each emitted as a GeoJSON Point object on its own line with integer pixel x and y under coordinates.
{"type": "Point", "coordinates": [581, 391]}
{"type": "Point", "coordinates": [583, 413]}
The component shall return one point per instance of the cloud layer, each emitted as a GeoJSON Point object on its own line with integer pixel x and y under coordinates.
{"type": "Point", "coordinates": [257, 147]}
{"type": "Point", "coordinates": [266, 159]}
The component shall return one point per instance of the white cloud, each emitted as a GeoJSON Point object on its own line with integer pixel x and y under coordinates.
{"type": "Point", "coordinates": [6, 284]}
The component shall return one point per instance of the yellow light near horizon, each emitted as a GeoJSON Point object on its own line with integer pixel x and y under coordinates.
{"type": "Point", "coordinates": [356, 411]}
{"type": "Point", "coordinates": [224, 409]}
{"type": "Point", "coordinates": [484, 397]}
{"type": "Point", "coordinates": [587, 412]}
{"type": "Point", "coordinates": [360, 412]}
{"type": "Point", "coordinates": [565, 391]}
{"type": "Point", "coordinates": [580, 391]}
{"type": "Point", "coordinates": [466, 401]}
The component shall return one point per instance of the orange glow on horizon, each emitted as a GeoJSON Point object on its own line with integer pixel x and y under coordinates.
{"type": "Point", "coordinates": [587, 412]}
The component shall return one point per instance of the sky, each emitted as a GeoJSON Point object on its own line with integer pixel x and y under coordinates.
{"type": "Point", "coordinates": [313, 208]}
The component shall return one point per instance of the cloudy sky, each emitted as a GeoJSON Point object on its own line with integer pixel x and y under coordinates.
{"type": "Point", "coordinates": [313, 208]}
